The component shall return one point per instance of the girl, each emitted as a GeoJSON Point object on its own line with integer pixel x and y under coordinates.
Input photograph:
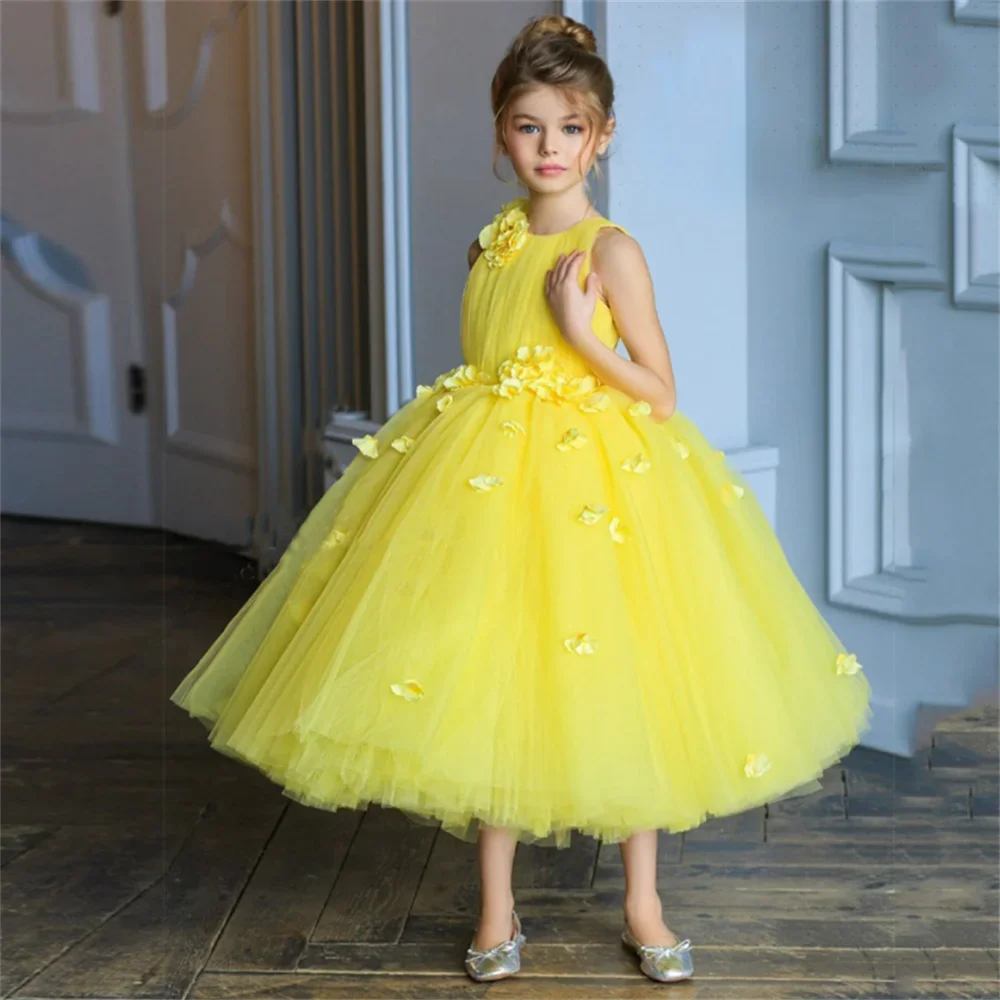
{"type": "Point", "coordinates": [538, 600]}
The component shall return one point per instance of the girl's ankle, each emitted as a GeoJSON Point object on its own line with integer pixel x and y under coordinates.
{"type": "Point", "coordinates": [491, 907]}
{"type": "Point", "coordinates": [642, 903]}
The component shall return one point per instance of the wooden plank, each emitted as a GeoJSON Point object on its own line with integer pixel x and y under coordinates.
{"type": "Point", "coordinates": [795, 840]}
{"type": "Point", "coordinates": [378, 880]}
{"type": "Point", "coordinates": [58, 893]}
{"type": "Point", "coordinates": [450, 880]}
{"type": "Point", "coordinates": [16, 839]}
{"type": "Point", "coordinates": [68, 792]}
{"type": "Point", "coordinates": [285, 897]}
{"type": "Point", "coordinates": [746, 926]}
{"type": "Point", "coordinates": [522, 987]}
{"type": "Point", "coordinates": [609, 960]}
{"type": "Point", "coordinates": [156, 943]}
{"type": "Point", "coordinates": [310, 985]}
{"type": "Point", "coordinates": [569, 867]}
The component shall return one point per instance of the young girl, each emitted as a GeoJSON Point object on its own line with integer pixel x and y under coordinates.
{"type": "Point", "coordinates": [538, 600]}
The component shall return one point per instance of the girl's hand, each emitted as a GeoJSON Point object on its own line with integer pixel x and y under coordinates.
{"type": "Point", "coordinates": [572, 306]}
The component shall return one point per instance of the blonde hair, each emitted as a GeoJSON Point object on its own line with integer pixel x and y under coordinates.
{"type": "Point", "coordinates": [557, 51]}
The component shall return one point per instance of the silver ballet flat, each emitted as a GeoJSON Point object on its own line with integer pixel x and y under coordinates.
{"type": "Point", "coordinates": [660, 962]}
{"type": "Point", "coordinates": [500, 961]}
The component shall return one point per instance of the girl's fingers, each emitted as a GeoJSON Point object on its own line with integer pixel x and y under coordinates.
{"type": "Point", "coordinates": [563, 265]}
{"type": "Point", "coordinates": [572, 261]}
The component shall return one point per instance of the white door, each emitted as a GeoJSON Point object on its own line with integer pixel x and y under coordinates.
{"type": "Point", "coordinates": [74, 431]}
{"type": "Point", "coordinates": [188, 82]}
{"type": "Point", "coordinates": [128, 372]}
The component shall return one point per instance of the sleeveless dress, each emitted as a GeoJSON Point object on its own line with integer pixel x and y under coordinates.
{"type": "Point", "coordinates": [527, 603]}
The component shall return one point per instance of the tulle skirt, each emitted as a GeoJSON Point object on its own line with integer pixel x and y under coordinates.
{"type": "Point", "coordinates": [521, 613]}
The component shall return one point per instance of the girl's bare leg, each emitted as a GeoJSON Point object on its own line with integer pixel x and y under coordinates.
{"type": "Point", "coordinates": [643, 908]}
{"type": "Point", "coordinates": [496, 897]}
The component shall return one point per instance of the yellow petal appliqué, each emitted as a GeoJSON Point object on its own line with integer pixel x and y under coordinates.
{"type": "Point", "coordinates": [403, 444]}
{"type": "Point", "coordinates": [508, 388]}
{"type": "Point", "coordinates": [592, 513]}
{"type": "Point", "coordinates": [847, 663]}
{"type": "Point", "coordinates": [682, 447]}
{"type": "Point", "coordinates": [636, 464]}
{"type": "Point", "coordinates": [334, 538]}
{"type": "Point", "coordinates": [640, 408]}
{"type": "Point", "coordinates": [424, 390]}
{"type": "Point", "coordinates": [367, 445]}
{"type": "Point", "coordinates": [617, 531]}
{"type": "Point", "coordinates": [444, 402]}
{"type": "Point", "coordinates": [512, 428]}
{"type": "Point", "coordinates": [572, 439]}
{"type": "Point", "coordinates": [410, 690]}
{"type": "Point", "coordinates": [581, 644]}
{"type": "Point", "coordinates": [484, 483]}
{"type": "Point", "coordinates": [597, 403]}
{"type": "Point", "coordinates": [731, 492]}
{"type": "Point", "coordinates": [756, 764]}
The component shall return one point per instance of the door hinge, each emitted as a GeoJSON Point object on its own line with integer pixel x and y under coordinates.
{"type": "Point", "coordinates": [137, 388]}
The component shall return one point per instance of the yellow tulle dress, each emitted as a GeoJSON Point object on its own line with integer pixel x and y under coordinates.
{"type": "Point", "coordinates": [526, 603]}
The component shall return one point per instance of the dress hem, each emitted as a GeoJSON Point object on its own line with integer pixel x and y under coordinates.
{"type": "Point", "coordinates": [464, 824]}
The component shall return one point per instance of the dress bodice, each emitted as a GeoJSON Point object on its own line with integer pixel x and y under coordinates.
{"type": "Point", "coordinates": [504, 305]}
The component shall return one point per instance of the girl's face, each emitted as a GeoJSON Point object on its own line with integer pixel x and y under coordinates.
{"type": "Point", "coordinates": [543, 130]}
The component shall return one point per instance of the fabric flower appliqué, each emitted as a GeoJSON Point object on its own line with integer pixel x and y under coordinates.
{"type": "Point", "coordinates": [756, 764]}
{"type": "Point", "coordinates": [847, 663]}
{"type": "Point", "coordinates": [409, 690]}
{"type": "Point", "coordinates": [636, 464]}
{"type": "Point", "coordinates": [618, 533]}
{"type": "Point", "coordinates": [403, 444]}
{"type": "Point", "coordinates": [484, 483]}
{"type": "Point", "coordinates": [640, 408]}
{"type": "Point", "coordinates": [592, 513]}
{"type": "Point", "coordinates": [512, 428]}
{"type": "Point", "coordinates": [731, 492]}
{"type": "Point", "coordinates": [535, 368]}
{"type": "Point", "coordinates": [367, 445]}
{"type": "Point", "coordinates": [502, 238]}
{"type": "Point", "coordinates": [597, 403]}
{"type": "Point", "coordinates": [334, 539]}
{"type": "Point", "coordinates": [682, 447]}
{"type": "Point", "coordinates": [581, 644]}
{"type": "Point", "coordinates": [573, 438]}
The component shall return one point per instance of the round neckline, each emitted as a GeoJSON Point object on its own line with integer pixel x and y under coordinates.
{"type": "Point", "coordinates": [562, 232]}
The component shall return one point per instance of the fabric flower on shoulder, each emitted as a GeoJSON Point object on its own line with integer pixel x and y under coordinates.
{"type": "Point", "coordinates": [505, 235]}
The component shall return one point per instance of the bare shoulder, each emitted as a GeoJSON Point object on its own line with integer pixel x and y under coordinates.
{"type": "Point", "coordinates": [617, 259]}
{"type": "Point", "coordinates": [474, 251]}
{"type": "Point", "coordinates": [615, 248]}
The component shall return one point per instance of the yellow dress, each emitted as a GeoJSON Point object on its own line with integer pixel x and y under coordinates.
{"type": "Point", "coordinates": [526, 603]}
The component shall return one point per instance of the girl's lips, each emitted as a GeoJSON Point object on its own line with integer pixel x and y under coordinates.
{"type": "Point", "coordinates": [551, 170]}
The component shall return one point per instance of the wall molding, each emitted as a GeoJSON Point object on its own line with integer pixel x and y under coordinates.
{"type": "Point", "coordinates": [870, 564]}
{"type": "Point", "coordinates": [976, 164]}
{"type": "Point", "coordinates": [854, 132]}
{"type": "Point", "coordinates": [395, 191]}
{"type": "Point", "coordinates": [983, 12]}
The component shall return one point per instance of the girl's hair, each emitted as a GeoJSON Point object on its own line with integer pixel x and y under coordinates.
{"type": "Point", "coordinates": [560, 52]}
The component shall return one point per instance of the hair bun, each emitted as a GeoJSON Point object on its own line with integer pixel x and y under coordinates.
{"type": "Point", "coordinates": [558, 24]}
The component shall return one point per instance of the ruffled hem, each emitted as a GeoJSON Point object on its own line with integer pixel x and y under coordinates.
{"type": "Point", "coordinates": [361, 775]}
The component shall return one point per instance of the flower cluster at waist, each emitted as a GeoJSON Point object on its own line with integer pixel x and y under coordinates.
{"type": "Point", "coordinates": [532, 369]}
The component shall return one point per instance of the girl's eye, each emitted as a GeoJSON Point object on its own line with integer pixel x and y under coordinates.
{"type": "Point", "coordinates": [579, 128]}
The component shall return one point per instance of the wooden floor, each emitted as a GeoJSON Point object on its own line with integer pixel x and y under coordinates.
{"type": "Point", "coordinates": [138, 863]}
